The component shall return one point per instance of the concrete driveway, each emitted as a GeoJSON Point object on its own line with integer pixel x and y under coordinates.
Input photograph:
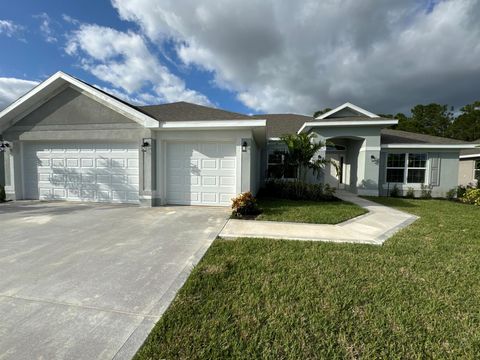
{"type": "Point", "coordinates": [90, 281]}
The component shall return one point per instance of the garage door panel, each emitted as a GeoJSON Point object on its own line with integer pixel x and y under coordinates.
{"type": "Point", "coordinates": [201, 173]}
{"type": "Point", "coordinates": [226, 197]}
{"type": "Point", "coordinates": [82, 172]}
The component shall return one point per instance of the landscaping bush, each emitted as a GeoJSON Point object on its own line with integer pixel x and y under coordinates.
{"type": "Point", "coordinates": [461, 190]}
{"type": "Point", "coordinates": [395, 192]}
{"type": "Point", "coordinates": [472, 196]}
{"type": "Point", "coordinates": [426, 192]}
{"type": "Point", "coordinates": [3, 196]}
{"type": "Point", "coordinates": [451, 194]}
{"type": "Point", "coordinates": [298, 190]}
{"type": "Point", "coordinates": [245, 205]}
{"type": "Point", "coordinates": [410, 193]}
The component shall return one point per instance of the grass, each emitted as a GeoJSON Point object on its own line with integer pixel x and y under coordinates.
{"type": "Point", "coordinates": [332, 212]}
{"type": "Point", "coordinates": [417, 296]}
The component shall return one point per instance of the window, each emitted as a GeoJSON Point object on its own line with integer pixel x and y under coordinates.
{"type": "Point", "coordinates": [417, 167]}
{"type": "Point", "coordinates": [406, 168]}
{"type": "Point", "coordinates": [396, 168]}
{"type": "Point", "coordinates": [477, 170]}
{"type": "Point", "coordinates": [276, 167]}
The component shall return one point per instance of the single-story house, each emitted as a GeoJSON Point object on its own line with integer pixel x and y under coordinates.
{"type": "Point", "coordinates": [68, 140]}
{"type": "Point", "coordinates": [469, 167]}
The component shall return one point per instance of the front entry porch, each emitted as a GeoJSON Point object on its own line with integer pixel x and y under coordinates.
{"type": "Point", "coordinates": [353, 166]}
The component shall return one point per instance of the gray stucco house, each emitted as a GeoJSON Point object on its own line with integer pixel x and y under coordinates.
{"type": "Point", "coordinates": [68, 140]}
{"type": "Point", "coordinates": [469, 167]}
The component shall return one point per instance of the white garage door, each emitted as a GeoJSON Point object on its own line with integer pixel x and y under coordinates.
{"type": "Point", "coordinates": [201, 173]}
{"type": "Point", "coordinates": [81, 172]}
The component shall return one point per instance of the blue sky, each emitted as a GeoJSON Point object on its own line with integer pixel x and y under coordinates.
{"type": "Point", "coordinates": [32, 56]}
{"type": "Point", "coordinates": [249, 56]}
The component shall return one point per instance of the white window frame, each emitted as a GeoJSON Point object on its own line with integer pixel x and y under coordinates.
{"type": "Point", "coordinates": [476, 170]}
{"type": "Point", "coordinates": [406, 168]}
{"type": "Point", "coordinates": [277, 164]}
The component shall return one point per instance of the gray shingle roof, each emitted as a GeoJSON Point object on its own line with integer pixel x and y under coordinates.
{"type": "Point", "coordinates": [283, 124]}
{"type": "Point", "coordinates": [472, 151]}
{"type": "Point", "coordinates": [389, 136]}
{"type": "Point", "coordinates": [352, 118]}
{"type": "Point", "coordinates": [184, 111]}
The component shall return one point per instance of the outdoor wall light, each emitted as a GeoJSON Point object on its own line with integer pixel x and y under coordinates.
{"type": "Point", "coordinates": [146, 143]}
{"type": "Point", "coordinates": [373, 158]}
{"type": "Point", "coordinates": [4, 146]}
{"type": "Point", "coordinates": [244, 146]}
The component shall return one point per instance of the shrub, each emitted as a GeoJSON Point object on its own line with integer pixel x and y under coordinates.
{"type": "Point", "coordinates": [395, 192]}
{"type": "Point", "coordinates": [244, 205]}
{"type": "Point", "coordinates": [410, 193]}
{"type": "Point", "coordinates": [451, 194]}
{"type": "Point", "coordinates": [3, 196]}
{"type": "Point", "coordinates": [461, 190]}
{"type": "Point", "coordinates": [298, 190]}
{"type": "Point", "coordinates": [472, 196]}
{"type": "Point", "coordinates": [426, 192]}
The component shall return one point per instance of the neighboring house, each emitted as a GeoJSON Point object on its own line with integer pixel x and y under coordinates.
{"type": "Point", "coordinates": [71, 141]}
{"type": "Point", "coordinates": [469, 168]}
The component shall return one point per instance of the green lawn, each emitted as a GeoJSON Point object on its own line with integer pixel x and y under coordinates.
{"type": "Point", "coordinates": [417, 296]}
{"type": "Point", "coordinates": [332, 212]}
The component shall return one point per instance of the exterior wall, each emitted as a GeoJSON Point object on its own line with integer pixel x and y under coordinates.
{"type": "Point", "coordinates": [71, 116]}
{"type": "Point", "coordinates": [3, 164]}
{"type": "Point", "coordinates": [449, 165]}
{"type": "Point", "coordinates": [255, 157]}
{"type": "Point", "coordinates": [243, 171]}
{"type": "Point", "coordinates": [69, 108]}
{"type": "Point", "coordinates": [466, 171]}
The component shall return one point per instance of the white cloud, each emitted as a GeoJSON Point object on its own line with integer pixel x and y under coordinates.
{"type": "Point", "coordinates": [305, 55]}
{"type": "Point", "coordinates": [46, 28]}
{"type": "Point", "coordinates": [123, 60]}
{"type": "Point", "coordinates": [10, 29]}
{"type": "Point", "coordinates": [12, 88]}
{"type": "Point", "coordinates": [69, 19]}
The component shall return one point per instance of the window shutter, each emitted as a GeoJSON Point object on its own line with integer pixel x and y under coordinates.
{"type": "Point", "coordinates": [435, 169]}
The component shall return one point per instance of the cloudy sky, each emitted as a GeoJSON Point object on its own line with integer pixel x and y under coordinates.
{"type": "Point", "coordinates": [251, 56]}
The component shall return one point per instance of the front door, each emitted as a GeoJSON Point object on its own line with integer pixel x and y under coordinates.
{"type": "Point", "coordinates": [334, 171]}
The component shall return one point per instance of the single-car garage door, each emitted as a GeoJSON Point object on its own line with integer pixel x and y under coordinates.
{"type": "Point", "coordinates": [201, 173]}
{"type": "Point", "coordinates": [81, 172]}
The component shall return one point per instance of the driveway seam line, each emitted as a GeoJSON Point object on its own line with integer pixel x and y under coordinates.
{"type": "Point", "coordinates": [31, 299]}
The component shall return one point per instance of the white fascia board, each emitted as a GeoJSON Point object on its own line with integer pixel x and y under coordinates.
{"type": "Point", "coordinates": [128, 111]}
{"type": "Point", "coordinates": [428, 146]}
{"type": "Point", "coordinates": [309, 125]}
{"type": "Point", "coordinates": [351, 106]}
{"type": "Point", "coordinates": [212, 124]}
{"type": "Point", "coordinates": [29, 94]}
{"type": "Point", "coordinates": [471, 156]}
{"type": "Point", "coordinates": [274, 139]}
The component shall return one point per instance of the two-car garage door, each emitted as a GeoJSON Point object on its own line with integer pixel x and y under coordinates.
{"type": "Point", "coordinates": [196, 173]}
{"type": "Point", "coordinates": [201, 173]}
{"type": "Point", "coordinates": [81, 172]}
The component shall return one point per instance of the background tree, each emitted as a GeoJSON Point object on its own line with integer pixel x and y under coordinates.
{"type": "Point", "coordinates": [431, 119]}
{"type": "Point", "coordinates": [467, 125]}
{"type": "Point", "coordinates": [321, 112]}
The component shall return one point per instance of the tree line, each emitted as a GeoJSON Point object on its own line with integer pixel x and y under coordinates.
{"type": "Point", "coordinates": [439, 120]}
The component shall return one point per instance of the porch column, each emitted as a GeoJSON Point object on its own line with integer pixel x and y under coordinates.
{"type": "Point", "coordinates": [147, 179]}
{"type": "Point", "coordinates": [368, 171]}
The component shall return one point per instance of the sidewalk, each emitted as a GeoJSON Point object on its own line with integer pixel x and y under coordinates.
{"type": "Point", "coordinates": [380, 223]}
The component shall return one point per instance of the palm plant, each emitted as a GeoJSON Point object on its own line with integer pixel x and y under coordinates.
{"type": "Point", "coordinates": [301, 154]}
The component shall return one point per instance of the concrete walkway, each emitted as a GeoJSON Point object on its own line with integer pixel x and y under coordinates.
{"type": "Point", "coordinates": [380, 223]}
